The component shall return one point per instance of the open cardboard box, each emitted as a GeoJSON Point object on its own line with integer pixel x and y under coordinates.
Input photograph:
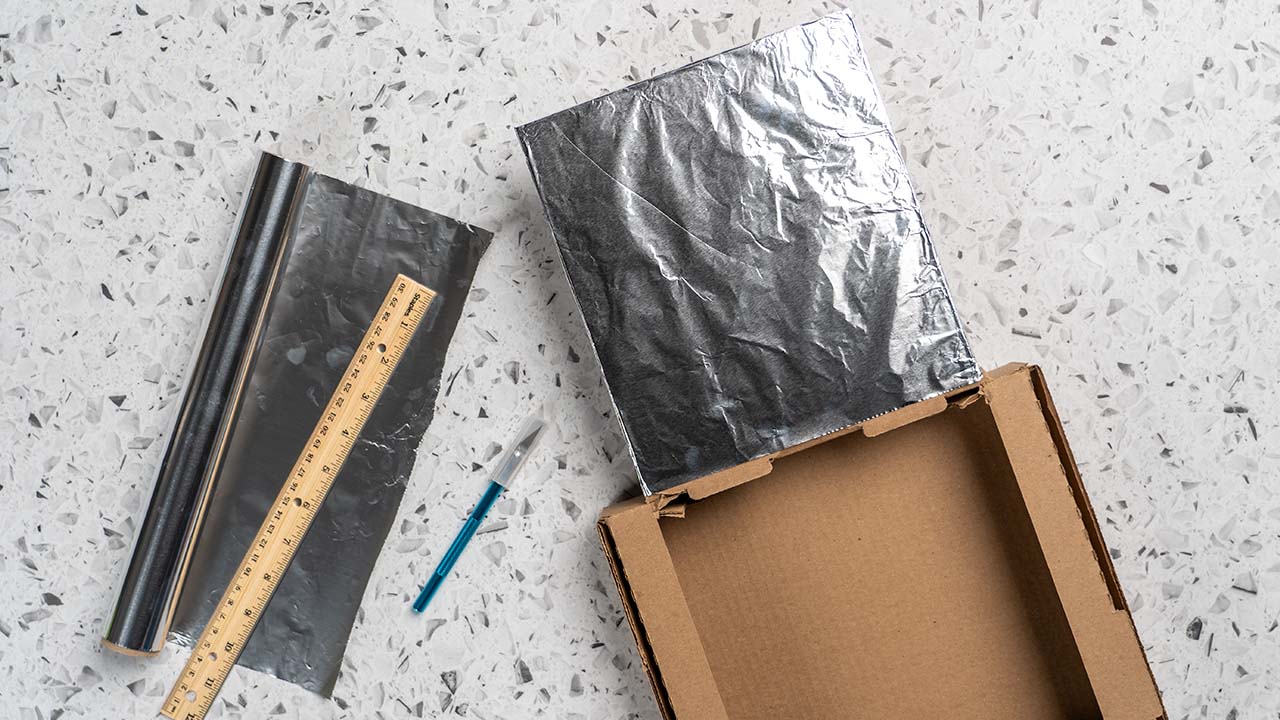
{"type": "Point", "coordinates": [939, 561]}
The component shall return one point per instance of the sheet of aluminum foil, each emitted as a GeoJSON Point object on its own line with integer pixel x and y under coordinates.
{"type": "Point", "coordinates": [747, 252]}
{"type": "Point", "coordinates": [338, 248]}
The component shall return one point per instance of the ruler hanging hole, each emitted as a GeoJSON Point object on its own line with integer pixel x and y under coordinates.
{"type": "Point", "coordinates": [297, 501]}
{"type": "Point", "coordinates": [191, 696]}
{"type": "Point", "coordinates": [213, 657]}
{"type": "Point", "coordinates": [382, 347]}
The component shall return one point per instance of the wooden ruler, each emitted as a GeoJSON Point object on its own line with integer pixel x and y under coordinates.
{"type": "Point", "coordinates": [268, 558]}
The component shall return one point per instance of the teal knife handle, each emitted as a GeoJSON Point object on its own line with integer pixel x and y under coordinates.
{"type": "Point", "coordinates": [451, 555]}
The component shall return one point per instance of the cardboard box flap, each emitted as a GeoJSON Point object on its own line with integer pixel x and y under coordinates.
{"type": "Point", "coordinates": [909, 414]}
{"type": "Point", "coordinates": [1082, 575]}
{"type": "Point", "coordinates": [715, 482]}
{"type": "Point", "coordinates": [659, 617]}
{"type": "Point", "coordinates": [752, 326]}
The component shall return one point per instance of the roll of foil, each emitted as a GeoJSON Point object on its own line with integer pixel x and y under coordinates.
{"type": "Point", "coordinates": [312, 258]}
{"type": "Point", "coordinates": [150, 590]}
{"type": "Point", "coordinates": [748, 253]}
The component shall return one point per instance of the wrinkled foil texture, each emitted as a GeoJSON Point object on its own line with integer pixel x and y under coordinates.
{"type": "Point", "coordinates": [345, 246]}
{"type": "Point", "coordinates": [748, 253]}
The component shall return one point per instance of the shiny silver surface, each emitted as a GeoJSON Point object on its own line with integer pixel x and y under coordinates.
{"type": "Point", "coordinates": [521, 446]}
{"type": "Point", "coordinates": [747, 251]}
{"type": "Point", "coordinates": [259, 242]}
{"type": "Point", "coordinates": [345, 245]}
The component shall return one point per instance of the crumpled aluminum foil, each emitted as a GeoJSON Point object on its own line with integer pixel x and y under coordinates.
{"type": "Point", "coordinates": [747, 251]}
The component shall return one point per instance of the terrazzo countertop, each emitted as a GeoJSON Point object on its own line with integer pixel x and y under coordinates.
{"type": "Point", "coordinates": [1101, 180]}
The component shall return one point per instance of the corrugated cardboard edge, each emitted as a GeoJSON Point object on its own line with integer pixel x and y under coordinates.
{"type": "Point", "coordinates": [647, 660]}
{"type": "Point", "coordinates": [664, 627]}
{"type": "Point", "coordinates": [1067, 460]}
{"type": "Point", "coordinates": [1073, 547]}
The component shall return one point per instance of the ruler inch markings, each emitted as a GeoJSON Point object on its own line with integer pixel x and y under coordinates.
{"type": "Point", "coordinates": [287, 520]}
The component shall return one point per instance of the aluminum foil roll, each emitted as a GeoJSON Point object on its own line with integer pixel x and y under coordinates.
{"type": "Point", "coordinates": [339, 247]}
{"type": "Point", "coordinates": [161, 555]}
{"type": "Point", "coordinates": [747, 252]}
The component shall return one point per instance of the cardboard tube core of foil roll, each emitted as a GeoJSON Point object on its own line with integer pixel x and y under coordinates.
{"type": "Point", "coordinates": [168, 533]}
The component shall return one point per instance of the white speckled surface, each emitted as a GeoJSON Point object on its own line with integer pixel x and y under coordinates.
{"type": "Point", "coordinates": [1101, 179]}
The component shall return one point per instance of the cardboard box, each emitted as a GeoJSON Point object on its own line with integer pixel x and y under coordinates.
{"type": "Point", "coordinates": [938, 561]}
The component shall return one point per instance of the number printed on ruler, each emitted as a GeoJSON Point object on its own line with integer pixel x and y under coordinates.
{"type": "Point", "coordinates": [288, 520]}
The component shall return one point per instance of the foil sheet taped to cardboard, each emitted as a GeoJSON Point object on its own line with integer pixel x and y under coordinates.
{"type": "Point", "coordinates": [311, 259]}
{"type": "Point", "coordinates": [748, 252]}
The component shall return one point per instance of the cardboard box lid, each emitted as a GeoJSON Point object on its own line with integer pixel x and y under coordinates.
{"type": "Point", "coordinates": [747, 252]}
{"type": "Point", "coordinates": [941, 562]}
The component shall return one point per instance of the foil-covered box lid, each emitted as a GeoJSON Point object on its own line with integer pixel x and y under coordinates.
{"type": "Point", "coordinates": [748, 253]}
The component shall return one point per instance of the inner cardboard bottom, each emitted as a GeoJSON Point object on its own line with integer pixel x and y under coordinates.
{"type": "Point", "coordinates": [889, 577]}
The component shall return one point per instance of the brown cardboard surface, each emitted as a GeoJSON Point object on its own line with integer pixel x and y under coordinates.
{"type": "Point", "coordinates": [948, 566]}
{"type": "Point", "coordinates": [1063, 521]}
{"type": "Point", "coordinates": [666, 631]}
